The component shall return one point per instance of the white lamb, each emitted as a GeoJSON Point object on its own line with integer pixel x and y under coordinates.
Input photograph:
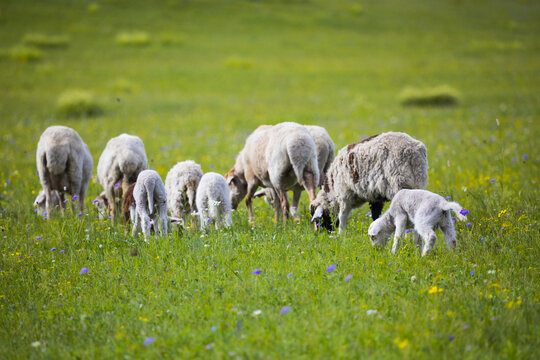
{"type": "Point", "coordinates": [149, 195]}
{"type": "Point", "coordinates": [422, 209]}
{"type": "Point", "coordinates": [373, 171]}
{"type": "Point", "coordinates": [120, 162]}
{"type": "Point", "coordinates": [64, 165]}
{"type": "Point", "coordinates": [213, 201]}
{"type": "Point", "coordinates": [279, 157]}
{"type": "Point", "coordinates": [325, 155]}
{"type": "Point", "coordinates": [181, 185]}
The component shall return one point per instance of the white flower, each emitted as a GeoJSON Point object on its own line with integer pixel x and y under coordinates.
{"type": "Point", "coordinates": [491, 272]}
{"type": "Point", "coordinates": [257, 312]}
{"type": "Point", "coordinates": [371, 312]}
{"type": "Point", "coordinates": [36, 344]}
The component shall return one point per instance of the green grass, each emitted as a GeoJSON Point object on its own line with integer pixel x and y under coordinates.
{"type": "Point", "coordinates": [213, 71]}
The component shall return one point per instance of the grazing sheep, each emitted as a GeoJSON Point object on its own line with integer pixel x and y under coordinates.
{"type": "Point", "coordinates": [279, 157]}
{"type": "Point", "coordinates": [373, 171]}
{"type": "Point", "coordinates": [150, 196]}
{"type": "Point", "coordinates": [121, 161]}
{"type": "Point", "coordinates": [325, 155]}
{"type": "Point", "coordinates": [39, 203]}
{"type": "Point", "coordinates": [213, 201]}
{"type": "Point", "coordinates": [425, 211]}
{"type": "Point", "coordinates": [181, 185]}
{"type": "Point", "coordinates": [64, 165]}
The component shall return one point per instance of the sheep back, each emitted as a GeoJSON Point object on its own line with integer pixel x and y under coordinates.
{"type": "Point", "coordinates": [181, 186]}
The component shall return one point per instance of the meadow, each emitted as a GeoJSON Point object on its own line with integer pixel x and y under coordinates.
{"type": "Point", "coordinates": [193, 79]}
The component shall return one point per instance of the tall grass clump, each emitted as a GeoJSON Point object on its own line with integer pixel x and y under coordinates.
{"type": "Point", "coordinates": [46, 41]}
{"type": "Point", "coordinates": [25, 54]}
{"type": "Point", "coordinates": [133, 38]}
{"type": "Point", "coordinates": [78, 103]}
{"type": "Point", "coordinates": [442, 95]}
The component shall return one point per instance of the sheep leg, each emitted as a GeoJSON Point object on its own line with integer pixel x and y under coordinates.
{"type": "Point", "coordinates": [282, 196]}
{"type": "Point", "coordinates": [310, 185]}
{"type": "Point", "coordinates": [145, 223]}
{"type": "Point", "coordinates": [344, 213]}
{"type": "Point", "coordinates": [81, 202]}
{"type": "Point", "coordinates": [295, 201]}
{"type": "Point", "coordinates": [249, 197]}
{"type": "Point", "coordinates": [164, 219]}
{"type": "Point", "coordinates": [136, 224]}
{"type": "Point", "coordinates": [400, 222]}
{"type": "Point", "coordinates": [429, 237]}
{"type": "Point", "coordinates": [376, 209]}
{"type": "Point", "coordinates": [417, 239]}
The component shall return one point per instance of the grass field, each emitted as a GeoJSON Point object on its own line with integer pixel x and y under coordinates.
{"type": "Point", "coordinates": [193, 79]}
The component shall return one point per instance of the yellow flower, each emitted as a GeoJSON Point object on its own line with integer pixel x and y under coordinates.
{"type": "Point", "coordinates": [434, 290]}
{"type": "Point", "coordinates": [402, 344]}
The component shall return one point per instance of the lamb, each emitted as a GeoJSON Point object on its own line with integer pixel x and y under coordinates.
{"type": "Point", "coordinates": [181, 185]}
{"type": "Point", "coordinates": [64, 165]}
{"type": "Point", "coordinates": [39, 203]}
{"type": "Point", "coordinates": [213, 201]}
{"type": "Point", "coordinates": [279, 157]}
{"type": "Point", "coordinates": [121, 161]}
{"type": "Point", "coordinates": [325, 155]}
{"type": "Point", "coordinates": [149, 195]}
{"type": "Point", "coordinates": [373, 171]}
{"type": "Point", "coordinates": [425, 211]}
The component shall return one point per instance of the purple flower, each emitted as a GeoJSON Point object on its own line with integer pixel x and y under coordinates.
{"type": "Point", "coordinates": [84, 270]}
{"type": "Point", "coordinates": [212, 166]}
{"type": "Point", "coordinates": [450, 337]}
{"type": "Point", "coordinates": [408, 231]}
{"type": "Point", "coordinates": [35, 210]}
{"type": "Point", "coordinates": [465, 327]}
{"type": "Point", "coordinates": [482, 239]}
{"type": "Point", "coordinates": [208, 221]}
{"type": "Point", "coordinates": [348, 277]}
{"type": "Point", "coordinates": [214, 266]}
{"type": "Point", "coordinates": [468, 224]}
{"type": "Point", "coordinates": [116, 185]}
{"type": "Point", "coordinates": [464, 212]}
{"type": "Point", "coordinates": [284, 310]}
{"type": "Point", "coordinates": [3, 211]}
{"type": "Point", "coordinates": [493, 318]}
{"type": "Point", "coordinates": [368, 213]}
{"type": "Point", "coordinates": [79, 214]}
{"type": "Point", "coordinates": [53, 249]}
{"type": "Point", "coordinates": [256, 272]}
{"type": "Point", "coordinates": [38, 238]}
{"type": "Point", "coordinates": [213, 328]}
{"type": "Point", "coordinates": [453, 219]}
{"type": "Point", "coordinates": [95, 201]}
{"type": "Point", "coordinates": [45, 214]}
{"type": "Point", "coordinates": [75, 197]}
{"type": "Point", "coordinates": [331, 268]}
{"type": "Point", "coordinates": [448, 198]}
{"type": "Point", "coordinates": [492, 180]}
{"type": "Point", "coordinates": [62, 251]}
{"type": "Point", "coordinates": [289, 274]}
{"type": "Point", "coordinates": [209, 346]}
{"type": "Point", "coordinates": [398, 270]}
{"type": "Point", "coordinates": [472, 272]}
{"type": "Point", "coordinates": [65, 201]}
{"type": "Point", "coordinates": [525, 157]}
{"type": "Point", "coordinates": [149, 340]}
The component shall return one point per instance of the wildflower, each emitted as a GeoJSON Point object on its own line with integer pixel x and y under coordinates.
{"type": "Point", "coordinates": [95, 201]}
{"type": "Point", "coordinates": [38, 238]}
{"type": "Point", "coordinates": [53, 249]}
{"type": "Point", "coordinates": [465, 327]}
{"type": "Point", "coordinates": [468, 224]}
{"type": "Point", "coordinates": [209, 346]}
{"type": "Point", "coordinates": [62, 251]}
{"type": "Point", "coordinates": [472, 272]}
{"type": "Point", "coordinates": [75, 197]}
{"type": "Point", "coordinates": [492, 180]}
{"type": "Point", "coordinates": [525, 157]}
{"type": "Point", "coordinates": [434, 290]}
{"type": "Point", "coordinates": [257, 312]}
{"type": "Point", "coordinates": [401, 344]}
{"type": "Point", "coordinates": [493, 318]}
{"type": "Point", "coordinates": [213, 328]}
{"type": "Point", "coordinates": [256, 272]}
{"type": "Point", "coordinates": [368, 213]}
{"type": "Point", "coordinates": [331, 268]}
{"type": "Point", "coordinates": [491, 272]}
{"type": "Point", "coordinates": [84, 270]}
{"type": "Point", "coordinates": [36, 344]}
{"type": "Point", "coordinates": [482, 239]}
{"type": "Point", "coordinates": [448, 198]}
{"type": "Point", "coordinates": [450, 337]}
{"type": "Point", "coordinates": [398, 270]}
{"type": "Point", "coordinates": [371, 312]}
{"type": "Point", "coordinates": [65, 201]}
{"type": "Point", "coordinates": [464, 212]}
{"type": "Point", "coordinates": [284, 310]}
{"type": "Point", "coordinates": [80, 214]}
{"type": "Point", "coordinates": [348, 277]}
{"type": "Point", "coordinates": [116, 185]}
{"type": "Point", "coordinates": [149, 340]}
{"type": "Point", "coordinates": [413, 278]}
{"type": "Point", "coordinates": [289, 275]}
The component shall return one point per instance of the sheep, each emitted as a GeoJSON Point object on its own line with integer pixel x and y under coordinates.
{"type": "Point", "coordinates": [325, 155]}
{"type": "Point", "coordinates": [373, 171]}
{"type": "Point", "coordinates": [64, 165]}
{"type": "Point", "coordinates": [279, 157]}
{"type": "Point", "coordinates": [121, 161]}
{"type": "Point", "coordinates": [213, 201]}
{"type": "Point", "coordinates": [425, 211]}
{"type": "Point", "coordinates": [181, 185]}
{"type": "Point", "coordinates": [39, 203]}
{"type": "Point", "coordinates": [149, 195]}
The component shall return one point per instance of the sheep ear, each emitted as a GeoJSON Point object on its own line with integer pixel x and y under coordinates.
{"type": "Point", "coordinates": [317, 214]}
{"type": "Point", "coordinates": [40, 198]}
{"type": "Point", "coordinates": [259, 193]}
{"type": "Point", "coordinates": [230, 180]}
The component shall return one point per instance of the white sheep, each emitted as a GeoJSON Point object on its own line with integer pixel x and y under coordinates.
{"type": "Point", "coordinates": [181, 185]}
{"type": "Point", "coordinates": [213, 201]}
{"type": "Point", "coordinates": [425, 211]}
{"type": "Point", "coordinates": [279, 157]}
{"type": "Point", "coordinates": [120, 162]}
{"type": "Point", "coordinates": [373, 171]}
{"type": "Point", "coordinates": [325, 155]}
{"type": "Point", "coordinates": [39, 202]}
{"type": "Point", "coordinates": [64, 165]}
{"type": "Point", "coordinates": [150, 196]}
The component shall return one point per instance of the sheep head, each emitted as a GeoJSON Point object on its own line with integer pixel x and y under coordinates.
{"type": "Point", "coordinates": [320, 210]}
{"type": "Point", "coordinates": [237, 187]}
{"type": "Point", "coordinates": [380, 231]}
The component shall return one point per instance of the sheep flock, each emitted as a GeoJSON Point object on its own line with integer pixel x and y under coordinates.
{"type": "Point", "coordinates": [278, 158]}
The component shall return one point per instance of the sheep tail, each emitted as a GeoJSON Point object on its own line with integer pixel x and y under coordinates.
{"type": "Point", "coordinates": [456, 208]}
